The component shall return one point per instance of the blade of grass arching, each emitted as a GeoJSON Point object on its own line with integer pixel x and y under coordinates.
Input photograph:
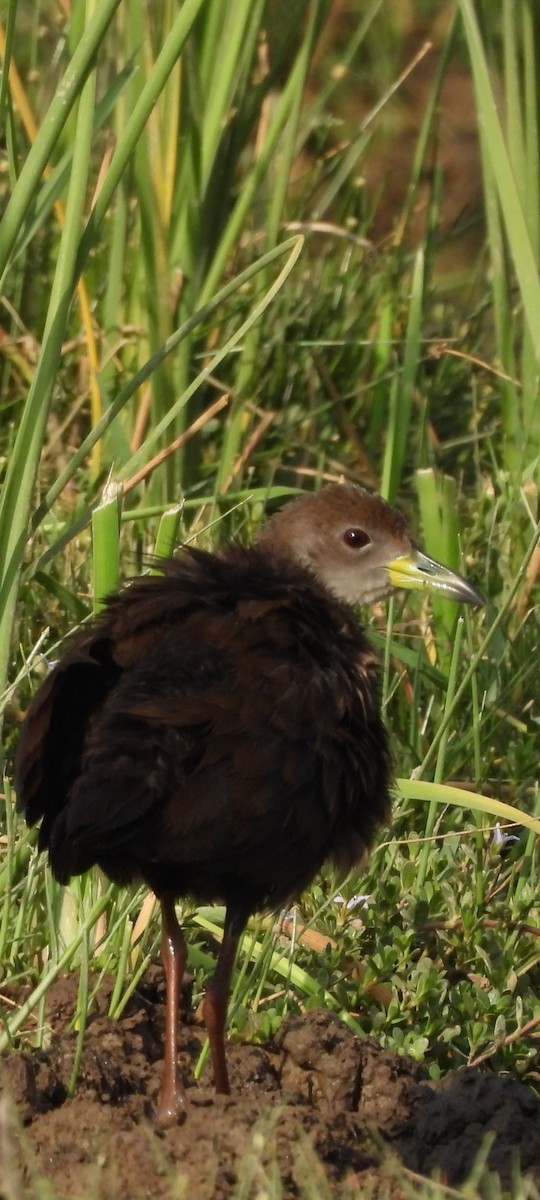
{"type": "Point", "coordinates": [519, 242]}
{"type": "Point", "coordinates": [47, 138]}
{"type": "Point", "coordinates": [437, 498]}
{"type": "Point", "coordinates": [106, 544]}
{"type": "Point", "coordinates": [402, 397]}
{"type": "Point", "coordinates": [443, 793]}
{"type": "Point", "coordinates": [294, 245]}
{"type": "Point", "coordinates": [22, 467]}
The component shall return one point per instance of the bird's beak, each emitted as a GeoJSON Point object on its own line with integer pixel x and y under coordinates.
{"type": "Point", "coordinates": [416, 570]}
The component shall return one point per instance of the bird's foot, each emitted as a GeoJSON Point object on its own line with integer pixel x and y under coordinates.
{"type": "Point", "coordinates": [172, 1108]}
{"type": "Point", "coordinates": [221, 1076]}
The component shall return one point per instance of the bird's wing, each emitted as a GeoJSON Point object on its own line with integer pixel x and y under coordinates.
{"type": "Point", "coordinates": [179, 731]}
{"type": "Point", "coordinates": [61, 713]}
{"type": "Point", "coordinates": [191, 758]}
{"type": "Point", "coordinates": [54, 729]}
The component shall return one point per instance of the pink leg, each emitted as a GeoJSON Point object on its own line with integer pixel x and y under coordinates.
{"type": "Point", "coordinates": [172, 1100]}
{"type": "Point", "coordinates": [216, 1000]}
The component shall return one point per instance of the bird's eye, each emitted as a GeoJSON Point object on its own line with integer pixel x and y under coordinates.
{"type": "Point", "coordinates": [356, 538]}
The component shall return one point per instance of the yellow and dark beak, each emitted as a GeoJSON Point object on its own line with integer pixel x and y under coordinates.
{"type": "Point", "coordinates": [416, 570]}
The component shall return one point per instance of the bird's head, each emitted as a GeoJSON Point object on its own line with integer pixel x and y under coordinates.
{"type": "Point", "coordinates": [358, 546]}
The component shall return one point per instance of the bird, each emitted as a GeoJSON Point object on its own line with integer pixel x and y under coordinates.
{"type": "Point", "coordinates": [215, 731]}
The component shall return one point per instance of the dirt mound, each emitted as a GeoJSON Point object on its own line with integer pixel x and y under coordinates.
{"type": "Point", "coordinates": [316, 1092]}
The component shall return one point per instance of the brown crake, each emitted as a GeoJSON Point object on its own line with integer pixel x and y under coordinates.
{"type": "Point", "coordinates": [215, 731]}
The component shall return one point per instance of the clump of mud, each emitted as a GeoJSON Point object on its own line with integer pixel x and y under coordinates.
{"type": "Point", "coordinates": [315, 1094]}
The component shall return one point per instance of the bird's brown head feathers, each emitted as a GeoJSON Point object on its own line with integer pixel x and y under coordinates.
{"type": "Point", "coordinates": [358, 546]}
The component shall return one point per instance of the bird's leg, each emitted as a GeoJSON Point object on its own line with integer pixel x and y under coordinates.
{"type": "Point", "coordinates": [214, 1009]}
{"type": "Point", "coordinates": [173, 954]}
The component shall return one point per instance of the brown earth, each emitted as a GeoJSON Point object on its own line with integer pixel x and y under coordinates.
{"type": "Point", "coordinates": [316, 1088]}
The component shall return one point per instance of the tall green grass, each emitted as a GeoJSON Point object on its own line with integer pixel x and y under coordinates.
{"type": "Point", "coordinates": [511, 176]}
{"type": "Point", "coordinates": [200, 318]}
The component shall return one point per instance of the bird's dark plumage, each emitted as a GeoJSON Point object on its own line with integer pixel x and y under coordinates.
{"type": "Point", "coordinates": [216, 730]}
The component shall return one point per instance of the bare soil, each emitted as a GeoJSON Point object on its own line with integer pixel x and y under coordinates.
{"type": "Point", "coordinates": [316, 1093]}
